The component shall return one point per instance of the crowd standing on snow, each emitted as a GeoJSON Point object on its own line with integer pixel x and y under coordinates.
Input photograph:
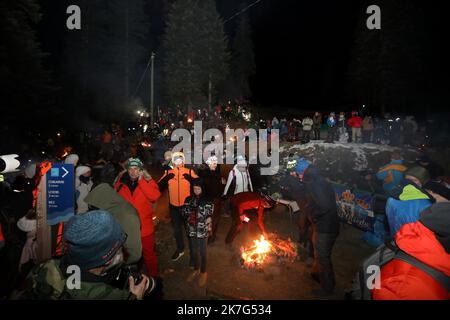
{"type": "Point", "coordinates": [115, 201]}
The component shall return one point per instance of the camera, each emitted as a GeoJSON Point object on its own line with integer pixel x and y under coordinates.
{"type": "Point", "coordinates": [153, 291]}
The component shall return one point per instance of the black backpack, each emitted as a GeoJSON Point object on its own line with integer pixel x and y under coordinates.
{"type": "Point", "coordinates": [384, 254]}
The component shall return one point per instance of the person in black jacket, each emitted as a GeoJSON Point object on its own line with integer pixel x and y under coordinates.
{"type": "Point", "coordinates": [323, 216]}
{"type": "Point", "coordinates": [292, 190]}
{"type": "Point", "coordinates": [197, 212]}
{"type": "Point", "coordinates": [212, 180]}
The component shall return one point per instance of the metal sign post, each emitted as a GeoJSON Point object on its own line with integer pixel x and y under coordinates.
{"type": "Point", "coordinates": [43, 235]}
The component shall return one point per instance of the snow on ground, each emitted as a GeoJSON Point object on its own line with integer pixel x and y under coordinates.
{"type": "Point", "coordinates": [359, 151]}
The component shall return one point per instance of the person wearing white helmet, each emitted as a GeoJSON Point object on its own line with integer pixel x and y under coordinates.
{"type": "Point", "coordinates": [239, 177]}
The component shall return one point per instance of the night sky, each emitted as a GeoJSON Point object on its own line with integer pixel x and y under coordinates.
{"type": "Point", "coordinates": [302, 48]}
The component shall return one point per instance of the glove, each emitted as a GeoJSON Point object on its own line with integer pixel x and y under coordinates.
{"type": "Point", "coordinates": [170, 176]}
{"type": "Point", "coordinates": [188, 177]}
{"type": "Point", "coordinates": [163, 184]}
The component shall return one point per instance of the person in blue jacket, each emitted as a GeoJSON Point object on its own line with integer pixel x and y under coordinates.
{"type": "Point", "coordinates": [332, 128]}
{"type": "Point", "coordinates": [392, 173]}
{"type": "Point", "coordinates": [408, 199]}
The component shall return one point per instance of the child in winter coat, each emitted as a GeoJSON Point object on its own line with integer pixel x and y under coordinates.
{"type": "Point", "coordinates": [197, 213]}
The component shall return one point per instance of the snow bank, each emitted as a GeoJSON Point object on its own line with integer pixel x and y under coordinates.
{"type": "Point", "coordinates": [344, 162]}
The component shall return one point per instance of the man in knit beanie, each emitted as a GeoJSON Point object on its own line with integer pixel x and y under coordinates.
{"type": "Point", "coordinates": [94, 242]}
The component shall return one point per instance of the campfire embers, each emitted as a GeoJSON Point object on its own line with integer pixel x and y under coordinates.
{"type": "Point", "coordinates": [255, 255]}
{"type": "Point", "coordinates": [263, 251]}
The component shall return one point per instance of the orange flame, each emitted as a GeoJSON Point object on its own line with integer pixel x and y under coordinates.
{"type": "Point", "coordinates": [257, 253]}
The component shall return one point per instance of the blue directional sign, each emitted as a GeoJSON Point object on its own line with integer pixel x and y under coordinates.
{"type": "Point", "coordinates": [60, 193]}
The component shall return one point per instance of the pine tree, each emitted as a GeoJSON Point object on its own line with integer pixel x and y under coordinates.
{"type": "Point", "coordinates": [243, 62]}
{"type": "Point", "coordinates": [213, 48]}
{"type": "Point", "coordinates": [24, 82]}
{"type": "Point", "coordinates": [182, 66]}
{"type": "Point", "coordinates": [195, 52]}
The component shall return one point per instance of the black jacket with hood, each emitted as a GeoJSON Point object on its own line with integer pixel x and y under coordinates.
{"type": "Point", "coordinates": [321, 201]}
{"type": "Point", "coordinates": [212, 181]}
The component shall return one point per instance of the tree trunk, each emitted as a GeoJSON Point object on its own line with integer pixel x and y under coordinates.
{"type": "Point", "coordinates": [126, 60]}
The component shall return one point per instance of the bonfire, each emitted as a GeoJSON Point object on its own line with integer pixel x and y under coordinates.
{"type": "Point", "coordinates": [257, 254]}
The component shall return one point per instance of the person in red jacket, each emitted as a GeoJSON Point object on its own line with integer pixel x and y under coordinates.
{"type": "Point", "coordinates": [355, 122]}
{"type": "Point", "coordinates": [138, 188]}
{"type": "Point", "coordinates": [242, 202]}
{"type": "Point", "coordinates": [427, 240]}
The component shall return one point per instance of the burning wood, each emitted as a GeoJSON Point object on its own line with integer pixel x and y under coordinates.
{"type": "Point", "coordinates": [258, 253]}
{"type": "Point", "coordinates": [255, 255]}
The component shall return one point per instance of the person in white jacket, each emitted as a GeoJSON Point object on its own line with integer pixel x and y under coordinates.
{"type": "Point", "coordinates": [83, 185]}
{"type": "Point", "coordinates": [240, 177]}
{"type": "Point", "coordinates": [307, 124]}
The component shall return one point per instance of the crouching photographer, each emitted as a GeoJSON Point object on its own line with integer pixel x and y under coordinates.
{"type": "Point", "coordinates": [93, 261]}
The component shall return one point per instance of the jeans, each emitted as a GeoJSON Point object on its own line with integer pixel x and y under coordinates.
{"type": "Point", "coordinates": [197, 249]}
{"type": "Point", "coordinates": [332, 133]}
{"type": "Point", "coordinates": [178, 226]}
{"type": "Point", "coordinates": [323, 244]}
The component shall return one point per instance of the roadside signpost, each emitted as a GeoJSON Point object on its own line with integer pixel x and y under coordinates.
{"type": "Point", "coordinates": [55, 204]}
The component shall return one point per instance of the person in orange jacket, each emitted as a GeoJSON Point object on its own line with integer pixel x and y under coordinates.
{"type": "Point", "coordinates": [427, 240]}
{"type": "Point", "coordinates": [178, 180]}
{"type": "Point", "coordinates": [139, 189]}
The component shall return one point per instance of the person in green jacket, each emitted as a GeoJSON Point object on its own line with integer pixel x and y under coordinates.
{"type": "Point", "coordinates": [94, 242]}
{"type": "Point", "coordinates": [104, 197]}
